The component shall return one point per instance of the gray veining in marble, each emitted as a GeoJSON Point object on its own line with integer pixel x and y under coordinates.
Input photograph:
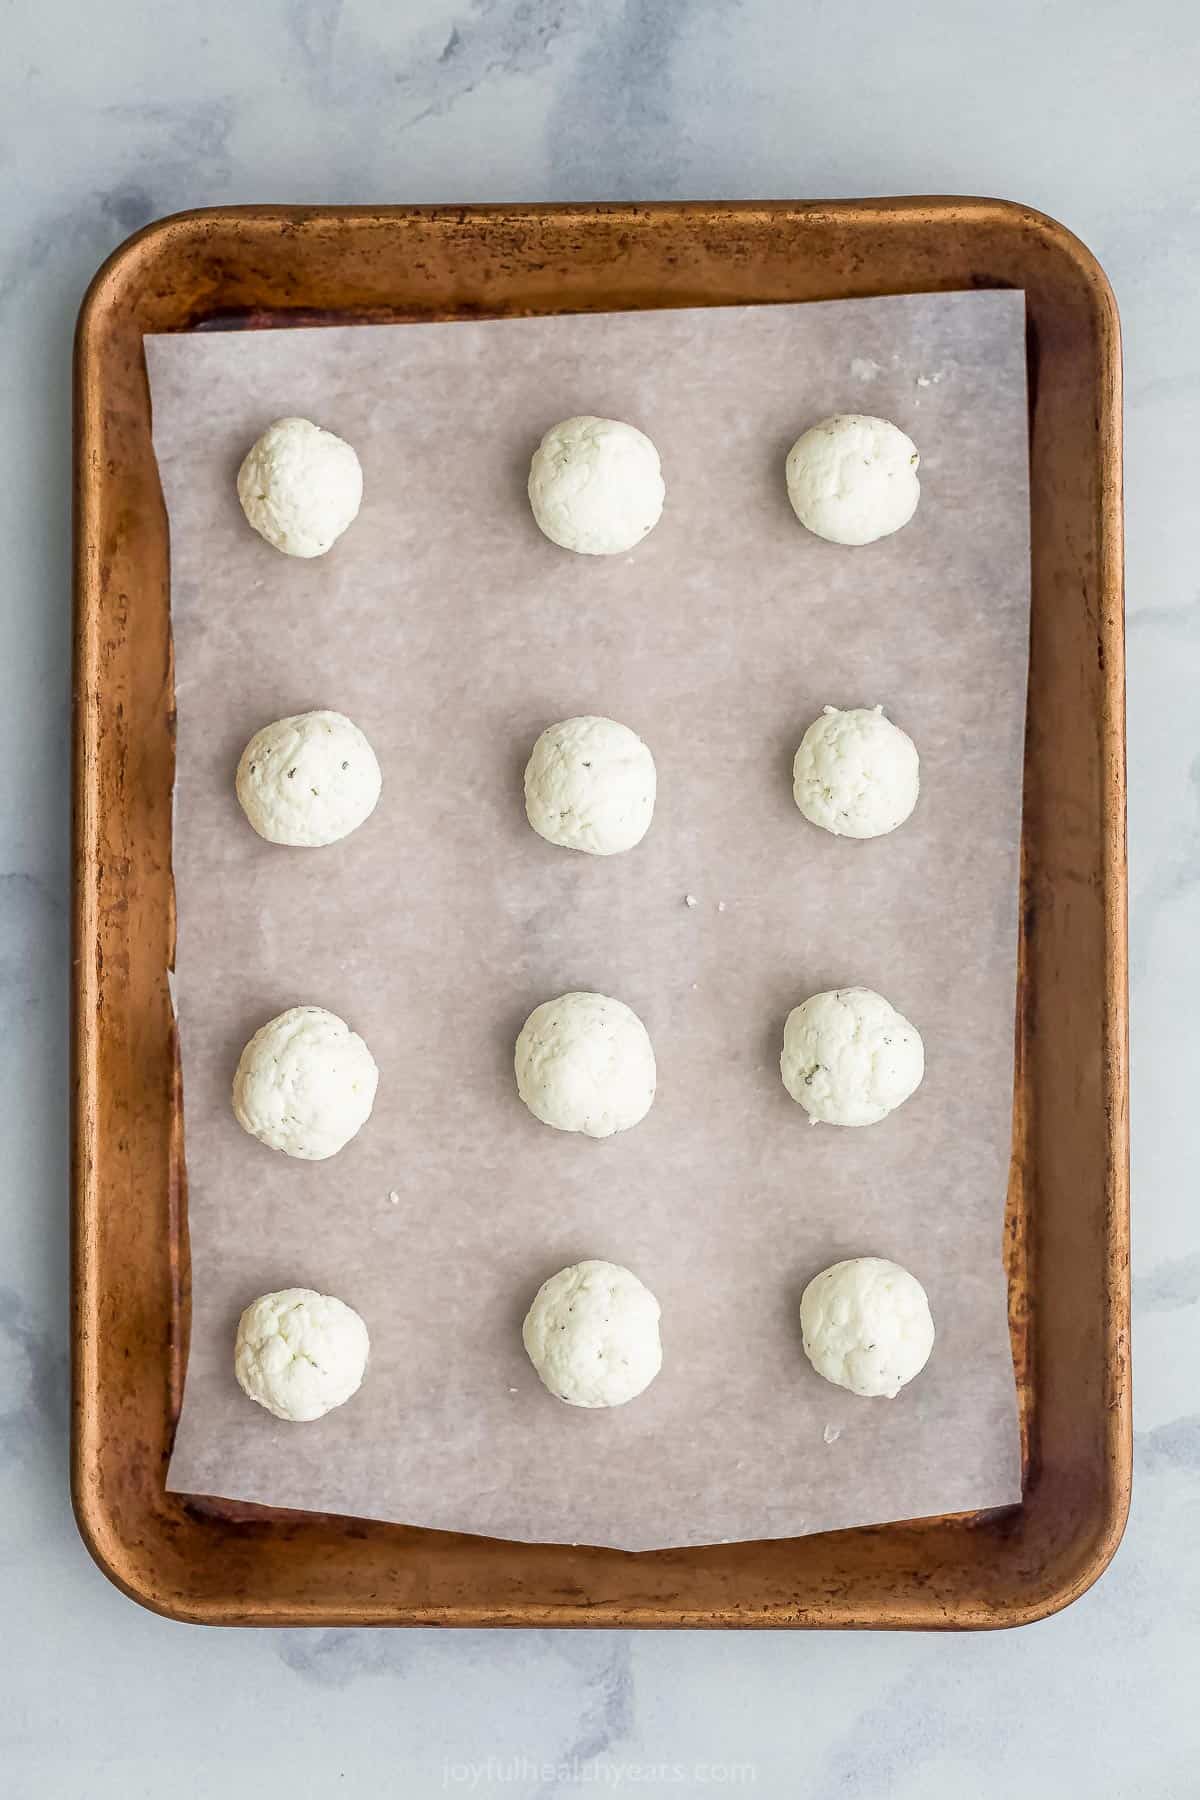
{"type": "Point", "coordinates": [114, 115]}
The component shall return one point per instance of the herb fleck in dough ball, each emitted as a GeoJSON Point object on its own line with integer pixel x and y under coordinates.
{"type": "Point", "coordinates": [299, 1353]}
{"type": "Point", "coordinates": [585, 1063]}
{"type": "Point", "coordinates": [590, 785]}
{"type": "Point", "coordinates": [300, 487]}
{"type": "Point", "coordinates": [849, 1058]}
{"type": "Point", "coordinates": [596, 486]}
{"type": "Point", "coordinates": [308, 780]}
{"type": "Point", "coordinates": [866, 1326]}
{"type": "Point", "coordinates": [592, 1335]}
{"type": "Point", "coordinates": [305, 1084]}
{"type": "Point", "coordinates": [856, 774]}
{"type": "Point", "coordinates": [852, 478]}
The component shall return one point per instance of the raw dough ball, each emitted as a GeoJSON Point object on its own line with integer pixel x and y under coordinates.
{"type": "Point", "coordinates": [300, 487]}
{"type": "Point", "coordinates": [592, 1335]}
{"type": "Point", "coordinates": [595, 485]}
{"type": "Point", "coordinates": [856, 774]}
{"type": "Point", "coordinates": [590, 785]}
{"type": "Point", "coordinates": [852, 479]}
{"type": "Point", "coordinates": [849, 1057]}
{"type": "Point", "coordinates": [585, 1063]}
{"type": "Point", "coordinates": [310, 779]}
{"type": "Point", "coordinates": [305, 1083]}
{"type": "Point", "coordinates": [300, 1354]}
{"type": "Point", "coordinates": [866, 1325]}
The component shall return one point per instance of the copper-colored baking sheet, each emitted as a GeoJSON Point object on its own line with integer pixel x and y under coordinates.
{"type": "Point", "coordinates": [1067, 1232]}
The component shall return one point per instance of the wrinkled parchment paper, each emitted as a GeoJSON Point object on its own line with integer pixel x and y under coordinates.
{"type": "Point", "coordinates": [452, 632]}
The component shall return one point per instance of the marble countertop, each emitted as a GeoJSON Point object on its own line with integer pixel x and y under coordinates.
{"type": "Point", "coordinates": [117, 116]}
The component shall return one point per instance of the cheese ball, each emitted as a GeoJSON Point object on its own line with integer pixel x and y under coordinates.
{"type": "Point", "coordinates": [300, 487]}
{"type": "Point", "coordinates": [592, 1335]}
{"type": "Point", "coordinates": [849, 1058]}
{"type": "Point", "coordinates": [305, 1084]}
{"type": "Point", "coordinates": [852, 479]}
{"type": "Point", "coordinates": [590, 785]}
{"type": "Point", "coordinates": [856, 774]}
{"type": "Point", "coordinates": [866, 1326]}
{"type": "Point", "coordinates": [596, 486]}
{"type": "Point", "coordinates": [310, 779]}
{"type": "Point", "coordinates": [585, 1063]}
{"type": "Point", "coordinates": [299, 1353]}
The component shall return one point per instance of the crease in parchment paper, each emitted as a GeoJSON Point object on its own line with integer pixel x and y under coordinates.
{"type": "Point", "coordinates": [452, 632]}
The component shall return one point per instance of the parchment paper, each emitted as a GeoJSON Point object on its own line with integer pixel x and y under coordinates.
{"type": "Point", "coordinates": [452, 632]}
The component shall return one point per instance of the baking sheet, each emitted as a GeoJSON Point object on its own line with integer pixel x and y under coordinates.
{"type": "Point", "coordinates": [451, 631]}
